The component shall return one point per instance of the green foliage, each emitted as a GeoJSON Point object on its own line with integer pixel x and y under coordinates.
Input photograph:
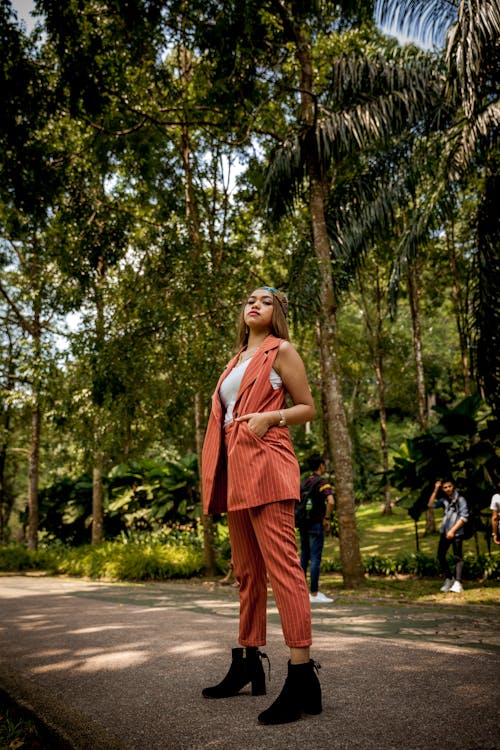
{"type": "Point", "coordinates": [476, 567]}
{"type": "Point", "coordinates": [16, 558]}
{"type": "Point", "coordinates": [456, 446]}
{"type": "Point", "coordinates": [146, 494]}
{"type": "Point", "coordinates": [132, 561]}
{"type": "Point", "coordinates": [143, 496]}
{"type": "Point", "coordinates": [65, 508]}
{"type": "Point", "coordinates": [17, 730]}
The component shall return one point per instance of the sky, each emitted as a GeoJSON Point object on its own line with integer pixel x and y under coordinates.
{"type": "Point", "coordinates": [23, 9]}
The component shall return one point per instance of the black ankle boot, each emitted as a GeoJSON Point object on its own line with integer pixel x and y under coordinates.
{"type": "Point", "coordinates": [301, 694]}
{"type": "Point", "coordinates": [246, 667]}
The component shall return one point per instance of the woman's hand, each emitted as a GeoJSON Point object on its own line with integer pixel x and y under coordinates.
{"type": "Point", "coordinates": [258, 422]}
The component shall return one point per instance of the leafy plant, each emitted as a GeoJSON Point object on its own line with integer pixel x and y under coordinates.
{"type": "Point", "coordinates": [455, 446]}
{"type": "Point", "coordinates": [146, 494]}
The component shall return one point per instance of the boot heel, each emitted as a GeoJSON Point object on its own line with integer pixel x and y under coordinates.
{"type": "Point", "coordinates": [312, 703]}
{"type": "Point", "coordinates": [259, 684]}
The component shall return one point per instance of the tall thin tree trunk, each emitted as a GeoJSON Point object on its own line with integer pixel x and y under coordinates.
{"type": "Point", "coordinates": [193, 222]}
{"type": "Point", "coordinates": [98, 458]}
{"type": "Point", "coordinates": [458, 307]}
{"type": "Point", "coordinates": [6, 498]}
{"type": "Point", "coordinates": [375, 341]}
{"type": "Point", "coordinates": [34, 459]}
{"type": "Point", "coordinates": [98, 498]}
{"type": "Point", "coordinates": [33, 476]}
{"type": "Point", "coordinates": [350, 555]}
{"type": "Point", "coordinates": [414, 298]}
{"type": "Point", "coordinates": [325, 431]}
{"type": "Point", "coordinates": [379, 369]}
{"type": "Point", "coordinates": [207, 520]}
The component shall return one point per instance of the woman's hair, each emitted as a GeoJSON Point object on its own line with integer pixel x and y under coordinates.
{"type": "Point", "coordinates": [279, 326]}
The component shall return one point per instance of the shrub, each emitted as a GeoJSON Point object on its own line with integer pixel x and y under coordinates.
{"type": "Point", "coordinates": [146, 559]}
{"type": "Point", "coordinates": [418, 564]}
{"type": "Point", "coordinates": [111, 560]}
{"type": "Point", "coordinates": [15, 557]}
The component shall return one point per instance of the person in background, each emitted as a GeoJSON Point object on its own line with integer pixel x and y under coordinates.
{"type": "Point", "coordinates": [228, 578]}
{"type": "Point", "coordinates": [495, 515]}
{"type": "Point", "coordinates": [250, 471]}
{"type": "Point", "coordinates": [312, 529]}
{"type": "Point", "coordinates": [456, 514]}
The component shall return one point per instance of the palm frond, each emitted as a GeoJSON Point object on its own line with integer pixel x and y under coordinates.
{"type": "Point", "coordinates": [467, 138]}
{"type": "Point", "coordinates": [486, 297]}
{"type": "Point", "coordinates": [472, 52]}
{"type": "Point", "coordinates": [371, 99]}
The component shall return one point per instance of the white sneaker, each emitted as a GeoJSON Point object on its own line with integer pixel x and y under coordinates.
{"type": "Point", "coordinates": [457, 588]}
{"type": "Point", "coordinates": [319, 598]}
{"type": "Point", "coordinates": [447, 585]}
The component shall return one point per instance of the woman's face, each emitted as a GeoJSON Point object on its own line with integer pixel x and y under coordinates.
{"type": "Point", "coordinates": [258, 312]}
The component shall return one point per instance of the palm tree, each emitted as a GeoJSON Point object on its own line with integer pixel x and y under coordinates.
{"type": "Point", "coordinates": [470, 30]}
{"type": "Point", "coordinates": [371, 98]}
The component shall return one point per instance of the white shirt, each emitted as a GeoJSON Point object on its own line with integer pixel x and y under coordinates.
{"type": "Point", "coordinates": [495, 502]}
{"type": "Point", "coordinates": [231, 385]}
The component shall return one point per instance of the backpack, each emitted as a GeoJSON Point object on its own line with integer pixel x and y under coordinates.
{"type": "Point", "coordinates": [304, 506]}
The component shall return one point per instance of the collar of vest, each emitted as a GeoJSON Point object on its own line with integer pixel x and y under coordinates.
{"type": "Point", "coordinates": [269, 343]}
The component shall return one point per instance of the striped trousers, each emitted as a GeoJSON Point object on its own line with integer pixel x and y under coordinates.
{"type": "Point", "coordinates": [263, 543]}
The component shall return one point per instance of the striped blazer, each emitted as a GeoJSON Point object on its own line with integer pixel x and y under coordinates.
{"type": "Point", "coordinates": [244, 470]}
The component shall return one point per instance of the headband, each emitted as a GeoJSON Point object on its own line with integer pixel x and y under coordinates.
{"type": "Point", "coordinates": [280, 296]}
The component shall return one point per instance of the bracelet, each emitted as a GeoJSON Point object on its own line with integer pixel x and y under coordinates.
{"type": "Point", "coordinates": [282, 422]}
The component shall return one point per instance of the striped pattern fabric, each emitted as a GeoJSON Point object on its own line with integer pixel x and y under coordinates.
{"type": "Point", "coordinates": [263, 542]}
{"type": "Point", "coordinates": [239, 469]}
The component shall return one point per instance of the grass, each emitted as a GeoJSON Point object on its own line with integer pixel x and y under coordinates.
{"type": "Point", "coordinates": [394, 536]}
{"type": "Point", "coordinates": [18, 731]}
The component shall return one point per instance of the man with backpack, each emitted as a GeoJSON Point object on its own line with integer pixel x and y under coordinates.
{"type": "Point", "coordinates": [456, 515]}
{"type": "Point", "coordinates": [312, 518]}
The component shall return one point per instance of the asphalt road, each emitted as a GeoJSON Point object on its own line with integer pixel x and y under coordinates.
{"type": "Point", "coordinates": [112, 666]}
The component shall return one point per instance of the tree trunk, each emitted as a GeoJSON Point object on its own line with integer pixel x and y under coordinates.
{"type": "Point", "coordinates": [98, 467]}
{"type": "Point", "coordinates": [430, 521]}
{"type": "Point", "coordinates": [350, 556]}
{"type": "Point", "coordinates": [97, 498]}
{"type": "Point", "coordinates": [327, 448]}
{"type": "Point", "coordinates": [6, 494]}
{"type": "Point", "coordinates": [414, 298]}
{"type": "Point", "coordinates": [374, 337]}
{"type": "Point", "coordinates": [34, 459]}
{"type": "Point", "coordinates": [379, 369]}
{"type": "Point", "coordinates": [192, 215]}
{"type": "Point", "coordinates": [207, 520]}
{"type": "Point", "coordinates": [33, 476]}
{"type": "Point", "coordinates": [458, 306]}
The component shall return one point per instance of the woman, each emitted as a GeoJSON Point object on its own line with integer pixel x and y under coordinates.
{"type": "Point", "coordinates": [249, 469]}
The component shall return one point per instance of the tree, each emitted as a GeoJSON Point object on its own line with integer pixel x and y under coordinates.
{"type": "Point", "coordinates": [374, 322]}
{"type": "Point", "coordinates": [351, 116]}
{"type": "Point", "coordinates": [471, 29]}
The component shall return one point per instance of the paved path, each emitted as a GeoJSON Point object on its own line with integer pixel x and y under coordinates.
{"type": "Point", "coordinates": [114, 667]}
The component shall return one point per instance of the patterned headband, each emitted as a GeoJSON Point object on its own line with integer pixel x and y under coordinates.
{"type": "Point", "coordinates": [280, 296]}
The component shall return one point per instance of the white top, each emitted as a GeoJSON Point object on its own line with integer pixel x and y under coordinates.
{"type": "Point", "coordinates": [231, 385]}
{"type": "Point", "coordinates": [495, 502]}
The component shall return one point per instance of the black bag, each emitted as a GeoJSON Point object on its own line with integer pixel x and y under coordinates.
{"type": "Point", "coordinates": [304, 506]}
